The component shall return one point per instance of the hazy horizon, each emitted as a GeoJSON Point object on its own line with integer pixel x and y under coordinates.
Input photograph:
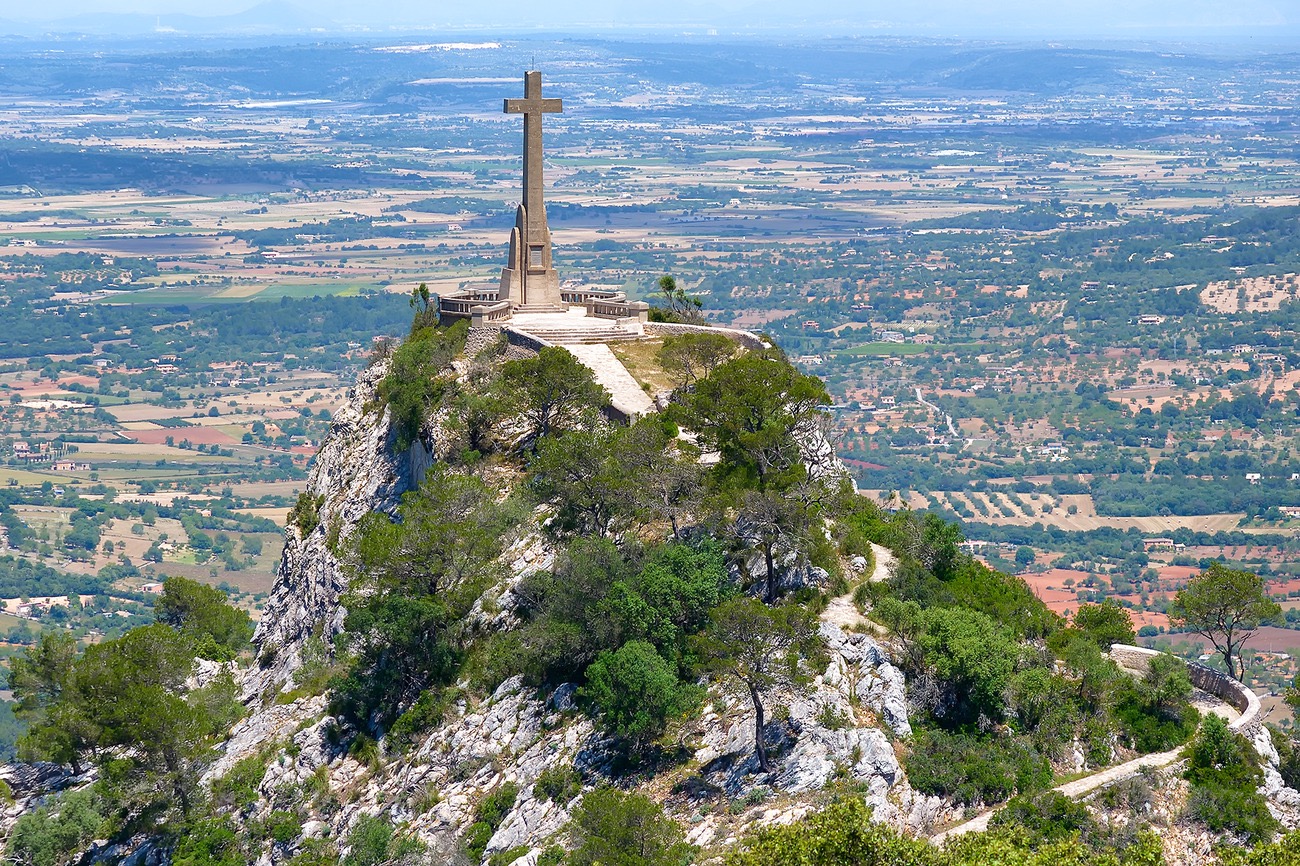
{"type": "Point", "coordinates": [1259, 21]}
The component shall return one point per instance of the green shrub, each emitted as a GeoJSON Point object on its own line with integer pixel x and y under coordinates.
{"type": "Point", "coordinates": [373, 841]}
{"type": "Point", "coordinates": [975, 769]}
{"type": "Point", "coordinates": [508, 856]}
{"type": "Point", "coordinates": [842, 834]}
{"type": "Point", "coordinates": [365, 749]}
{"type": "Point", "coordinates": [488, 815]}
{"type": "Point", "coordinates": [315, 852]}
{"type": "Point", "coordinates": [1283, 852]}
{"type": "Point", "coordinates": [414, 384]}
{"type": "Point", "coordinates": [552, 855]}
{"type": "Point", "coordinates": [636, 691]}
{"type": "Point", "coordinates": [1223, 769]}
{"type": "Point", "coordinates": [1048, 816]}
{"type": "Point", "coordinates": [559, 784]}
{"type": "Point", "coordinates": [613, 828]}
{"type": "Point", "coordinates": [425, 713]}
{"type": "Point", "coordinates": [52, 834]}
{"type": "Point", "coordinates": [210, 842]}
{"type": "Point", "coordinates": [282, 826]}
{"type": "Point", "coordinates": [239, 787]}
{"type": "Point", "coordinates": [305, 513]}
{"type": "Point", "coordinates": [1289, 757]}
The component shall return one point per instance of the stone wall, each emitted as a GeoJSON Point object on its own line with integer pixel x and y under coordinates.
{"type": "Point", "coordinates": [525, 340]}
{"type": "Point", "coordinates": [748, 339]}
{"type": "Point", "coordinates": [1207, 679]}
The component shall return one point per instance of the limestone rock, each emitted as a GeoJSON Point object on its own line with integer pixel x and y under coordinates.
{"type": "Point", "coordinates": [356, 471]}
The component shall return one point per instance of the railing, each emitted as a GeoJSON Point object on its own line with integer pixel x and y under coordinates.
{"type": "Point", "coordinates": [461, 304]}
{"type": "Point", "coordinates": [581, 297]}
{"type": "Point", "coordinates": [484, 314]}
{"type": "Point", "coordinates": [638, 310]}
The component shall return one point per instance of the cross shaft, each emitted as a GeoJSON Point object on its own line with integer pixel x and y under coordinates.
{"type": "Point", "coordinates": [533, 107]}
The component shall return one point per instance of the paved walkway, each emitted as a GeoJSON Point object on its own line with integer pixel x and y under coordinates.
{"type": "Point", "coordinates": [1077, 788]}
{"type": "Point", "coordinates": [628, 395]}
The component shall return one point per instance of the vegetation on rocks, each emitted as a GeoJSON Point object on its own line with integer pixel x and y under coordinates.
{"type": "Point", "coordinates": [548, 546]}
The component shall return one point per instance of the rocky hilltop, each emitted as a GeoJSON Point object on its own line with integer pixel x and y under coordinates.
{"type": "Point", "coordinates": [503, 600]}
{"type": "Point", "coordinates": [518, 732]}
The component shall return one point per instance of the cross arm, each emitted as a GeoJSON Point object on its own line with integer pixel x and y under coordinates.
{"type": "Point", "coordinates": [531, 106]}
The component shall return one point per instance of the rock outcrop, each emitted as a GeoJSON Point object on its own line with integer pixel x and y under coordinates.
{"type": "Point", "coordinates": [845, 722]}
{"type": "Point", "coordinates": [356, 471]}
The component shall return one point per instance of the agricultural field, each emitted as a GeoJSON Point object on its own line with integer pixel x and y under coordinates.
{"type": "Point", "coordinates": [1065, 320]}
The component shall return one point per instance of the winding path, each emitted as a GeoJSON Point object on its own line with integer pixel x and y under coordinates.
{"type": "Point", "coordinates": [1240, 718]}
{"type": "Point", "coordinates": [841, 610]}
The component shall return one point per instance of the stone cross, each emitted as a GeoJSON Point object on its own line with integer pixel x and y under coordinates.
{"type": "Point", "coordinates": [533, 107]}
{"type": "Point", "coordinates": [529, 280]}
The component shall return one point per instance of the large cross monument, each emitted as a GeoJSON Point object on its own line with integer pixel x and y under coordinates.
{"type": "Point", "coordinates": [529, 280]}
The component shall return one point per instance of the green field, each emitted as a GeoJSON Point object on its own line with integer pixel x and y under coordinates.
{"type": "Point", "coordinates": [889, 350]}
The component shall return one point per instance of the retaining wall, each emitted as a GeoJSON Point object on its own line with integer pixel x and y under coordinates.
{"type": "Point", "coordinates": [748, 339]}
{"type": "Point", "coordinates": [1207, 679]}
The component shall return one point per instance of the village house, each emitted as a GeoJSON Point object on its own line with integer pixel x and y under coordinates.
{"type": "Point", "coordinates": [70, 466]}
{"type": "Point", "coordinates": [1150, 544]}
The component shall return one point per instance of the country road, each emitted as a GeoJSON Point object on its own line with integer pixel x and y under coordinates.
{"type": "Point", "coordinates": [952, 427]}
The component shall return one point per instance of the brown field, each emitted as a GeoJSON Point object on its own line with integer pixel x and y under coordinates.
{"type": "Point", "coordinates": [196, 435]}
{"type": "Point", "coordinates": [1058, 515]}
{"type": "Point", "coordinates": [1261, 294]}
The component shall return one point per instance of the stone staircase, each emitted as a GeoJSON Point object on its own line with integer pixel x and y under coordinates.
{"type": "Point", "coordinates": [579, 336]}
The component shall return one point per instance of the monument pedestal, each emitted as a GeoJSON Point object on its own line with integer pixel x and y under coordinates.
{"type": "Point", "coordinates": [532, 291]}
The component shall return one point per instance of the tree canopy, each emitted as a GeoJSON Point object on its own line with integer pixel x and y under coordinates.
{"type": "Point", "coordinates": [1226, 607]}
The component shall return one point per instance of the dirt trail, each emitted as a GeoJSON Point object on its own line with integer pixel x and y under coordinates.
{"type": "Point", "coordinates": [841, 610]}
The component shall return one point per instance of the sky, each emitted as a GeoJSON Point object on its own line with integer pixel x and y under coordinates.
{"type": "Point", "coordinates": [1209, 20]}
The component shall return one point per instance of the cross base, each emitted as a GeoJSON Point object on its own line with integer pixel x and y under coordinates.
{"type": "Point", "coordinates": [534, 290]}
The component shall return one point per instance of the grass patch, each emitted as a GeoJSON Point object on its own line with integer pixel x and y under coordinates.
{"type": "Point", "coordinates": [883, 350]}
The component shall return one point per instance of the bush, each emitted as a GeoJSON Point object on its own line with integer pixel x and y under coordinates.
{"type": "Point", "coordinates": [210, 842]}
{"type": "Point", "coordinates": [1224, 771]}
{"type": "Point", "coordinates": [487, 818]}
{"type": "Point", "coordinates": [1155, 710]}
{"type": "Point", "coordinates": [613, 828]}
{"type": "Point", "coordinates": [842, 834]}
{"type": "Point", "coordinates": [238, 788]}
{"type": "Point", "coordinates": [975, 769]}
{"type": "Point", "coordinates": [282, 826]}
{"type": "Point", "coordinates": [373, 841]}
{"type": "Point", "coordinates": [305, 513]}
{"type": "Point", "coordinates": [636, 692]}
{"type": "Point", "coordinates": [54, 833]}
{"type": "Point", "coordinates": [425, 713]}
{"type": "Point", "coordinates": [414, 383]}
{"type": "Point", "coordinates": [559, 784]}
{"type": "Point", "coordinates": [1047, 817]}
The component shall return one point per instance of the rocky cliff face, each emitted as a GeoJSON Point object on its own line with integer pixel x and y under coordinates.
{"type": "Point", "coordinates": [356, 471]}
